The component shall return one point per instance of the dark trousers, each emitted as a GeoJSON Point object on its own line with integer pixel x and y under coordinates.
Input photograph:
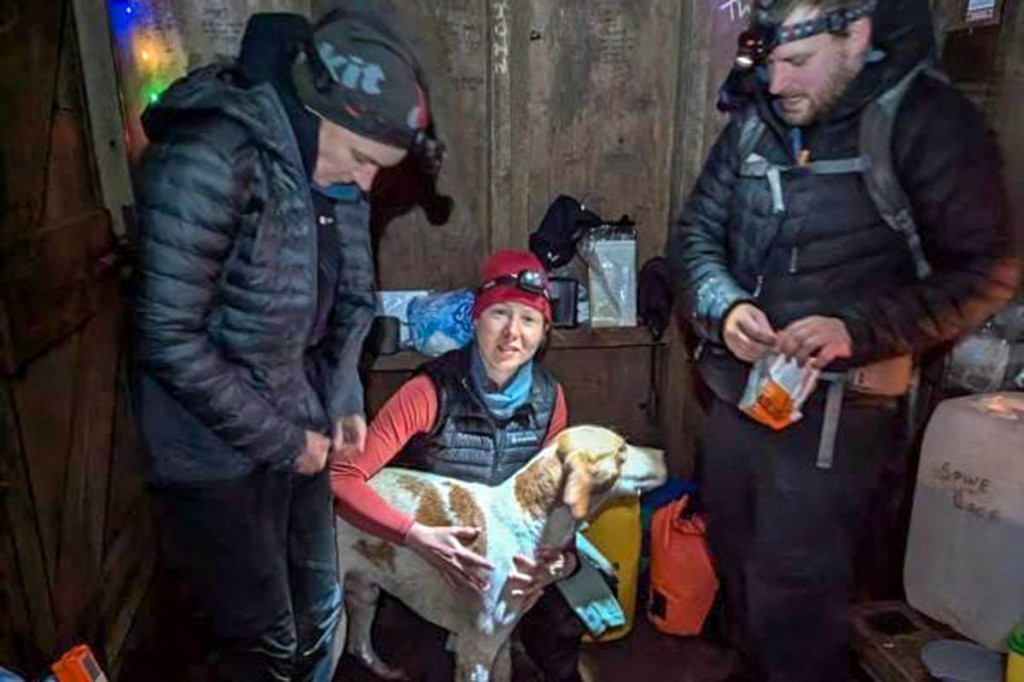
{"type": "Point", "coordinates": [550, 633]}
{"type": "Point", "coordinates": [255, 561]}
{"type": "Point", "coordinates": [783, 531]}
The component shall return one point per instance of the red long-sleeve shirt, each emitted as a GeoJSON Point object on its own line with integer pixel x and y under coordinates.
{"type": "Point", "coordinates": [411, 410]}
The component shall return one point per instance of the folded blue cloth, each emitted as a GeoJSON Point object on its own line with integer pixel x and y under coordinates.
{"type": "Point", "coordinates": [588, 592]}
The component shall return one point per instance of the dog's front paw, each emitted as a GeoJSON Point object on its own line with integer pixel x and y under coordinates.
{"type": "Point", "coordinates": [372, 662]}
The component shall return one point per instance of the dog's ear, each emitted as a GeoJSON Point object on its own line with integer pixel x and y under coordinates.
{"type": "Point", "coordinates": [563, 447]}
{"type": "Point", "coordinates": [576, 493]}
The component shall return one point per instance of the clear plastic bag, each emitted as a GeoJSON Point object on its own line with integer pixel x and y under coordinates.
{"type": "Point", "coordinates": [978, 363]}
{"type": "Point", "coordinates": [1009, 321]}
{"type": "Point", "coordinates": [610, 254]}
{"type": "Point", "coordinates": [777, 389]}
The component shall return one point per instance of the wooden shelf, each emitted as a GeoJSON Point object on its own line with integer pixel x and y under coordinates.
{"type": "Point", "coordinates": [604, 337]}
{"type": "Point", "coordinates": [558, 340]}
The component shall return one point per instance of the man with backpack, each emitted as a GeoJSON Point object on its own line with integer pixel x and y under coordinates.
{"type": "Point", "coordinates": [851, 216]}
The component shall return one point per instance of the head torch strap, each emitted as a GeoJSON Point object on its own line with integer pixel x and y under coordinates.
{"type": "Point", "coordinates": [765, 34]}
{"type": "Point", "coordinates": [836, 23]}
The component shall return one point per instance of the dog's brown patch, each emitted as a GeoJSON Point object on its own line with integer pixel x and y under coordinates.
{"type": "Point", "coordinates": [468, 513]}
{"type": "Point", "coordinates": [578, 481]}
{"type": "Point", "coordinates": [537, 486]}
{"type": "Point", "coordinates": [431, 511]}
{"type": "Point", "coordinates": [380, 554]}
{"type": "Point", "coordinates": [411, 484]}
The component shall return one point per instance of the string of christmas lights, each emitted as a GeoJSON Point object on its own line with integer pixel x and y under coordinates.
{"type": "Point", "coordinates": [131, 22]}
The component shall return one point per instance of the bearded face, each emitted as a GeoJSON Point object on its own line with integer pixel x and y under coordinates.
{"type": "Point", "coordinates": [808, 76]}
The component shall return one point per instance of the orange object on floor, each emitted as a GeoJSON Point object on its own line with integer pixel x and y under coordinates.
{"type": "Point", "coordinates": [683, 580]}
{"type": "Point", "coordinates": [78, 665]}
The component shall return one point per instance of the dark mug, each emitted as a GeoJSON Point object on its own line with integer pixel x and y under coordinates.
{"type": "Point", "coordinates": [383, 338]}
{"type": "Point", "coordinates": [563, 302]}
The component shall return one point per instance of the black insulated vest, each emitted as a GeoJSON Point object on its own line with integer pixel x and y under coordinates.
{"type": "Point", "coordinates": [467, 442]}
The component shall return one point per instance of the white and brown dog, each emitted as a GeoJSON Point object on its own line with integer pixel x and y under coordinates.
{"type": "Point", "coordinates": [541, 506]}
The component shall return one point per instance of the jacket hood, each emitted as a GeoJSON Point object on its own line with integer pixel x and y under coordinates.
{"type": "Point", "coordinates": [903, 37]}
{"type": "Point", "coordinates": [219, 90]}
{"type": "Point", "coordinates": [254, 91]}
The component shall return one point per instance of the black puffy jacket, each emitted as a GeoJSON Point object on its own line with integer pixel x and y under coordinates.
{"type": "Point", "coordinates": [830, 253]}
{"type": "Point", "coordinates": [227, 285]}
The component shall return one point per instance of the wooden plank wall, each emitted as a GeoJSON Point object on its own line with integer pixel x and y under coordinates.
{"type": "Point", "coordinates": [537, 99]}
{"type": "Point", "coordinates": [600, 87]}
{"type": "Point", "coordinates": [61, 367]}
{"type": "Point", "coordinates": [452, 37]}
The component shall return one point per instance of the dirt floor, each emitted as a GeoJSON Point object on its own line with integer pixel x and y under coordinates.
{"type": "Point", "coordinates": [645, 655]}
{"type": "Point", "coordinates": [406, 641]}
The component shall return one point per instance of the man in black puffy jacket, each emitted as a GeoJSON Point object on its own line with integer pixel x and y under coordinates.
{"type": "Point", "coordinates": [254, 295]}
{"type": "Point", "coordinates": [786, 250]}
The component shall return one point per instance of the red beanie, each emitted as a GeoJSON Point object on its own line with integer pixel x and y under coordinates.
{"type": "Point", "coordinates": [509, 263]}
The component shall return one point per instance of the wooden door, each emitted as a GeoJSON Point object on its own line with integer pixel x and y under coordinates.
{"type": "Point", "coordinates": [75, 538]}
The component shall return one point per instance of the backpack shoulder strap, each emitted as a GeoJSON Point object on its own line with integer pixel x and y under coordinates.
{"type": "Point", "coordinates": [751, 130]}
{"type": "Point", "coordinates": [876, 130]}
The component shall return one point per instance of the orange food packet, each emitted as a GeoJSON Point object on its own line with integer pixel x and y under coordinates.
{"type": "Point", "coordinates": [776, 390]}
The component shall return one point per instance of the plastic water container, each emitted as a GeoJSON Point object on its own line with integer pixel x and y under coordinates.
{"type": "Point", "coordinates": [965, 551]}
{"type": "Point", "coordinates": [615, 531]}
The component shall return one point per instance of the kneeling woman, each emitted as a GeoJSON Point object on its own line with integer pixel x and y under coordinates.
{"type": "Point", "coordinates": [477, 414]}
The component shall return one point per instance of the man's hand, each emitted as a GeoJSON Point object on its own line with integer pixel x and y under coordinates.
{"type": "Point", "coordinates": [819, 340]}
{"type": "Point", "coordinates": [349, 435]}
{"type": "Point", "coordinates": [747, 332]}
{"type": "Point", "coordinates": [314, 457]}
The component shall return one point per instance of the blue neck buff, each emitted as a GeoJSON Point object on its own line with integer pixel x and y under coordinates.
{"type": "Point", "coordinates": [503, 403]}
{"type": "Point", "coordinates": [346, 192]}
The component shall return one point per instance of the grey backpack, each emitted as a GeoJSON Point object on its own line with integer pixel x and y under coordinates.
{"type": "Point", "coordinates": [875, 163]}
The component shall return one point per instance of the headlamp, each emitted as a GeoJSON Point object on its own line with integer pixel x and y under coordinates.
{"type": "Point", "coordinates": [763, 36]}
{"type": "Point", "coordinates": [754, 45]}
{"type": "Point", "coordinates": [429, 151]}
{"type": "Point", "coordinates": [531, 281]}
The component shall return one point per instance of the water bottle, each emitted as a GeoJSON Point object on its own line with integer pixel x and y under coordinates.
{"type": "Point", "coordinates": [1015, 655]}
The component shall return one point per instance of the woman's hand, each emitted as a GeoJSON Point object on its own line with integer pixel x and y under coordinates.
{"type": "Point", "coordinates": [533, 575]}
{"type": "Point", "coordinates": [444, 548]}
